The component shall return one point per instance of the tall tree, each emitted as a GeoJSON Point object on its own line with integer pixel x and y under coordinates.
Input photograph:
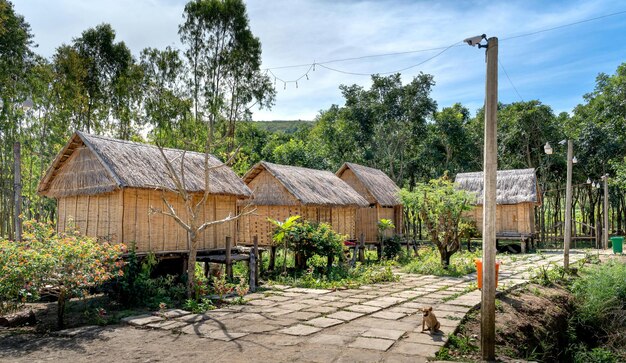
{"type": "Point", "coordinates": [224, 59]}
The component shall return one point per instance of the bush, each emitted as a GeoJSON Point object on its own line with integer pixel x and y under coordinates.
{"type": "Point", "coordinates": [137, 288]}
{"type": "Point", "coordinates": [601, 300]}
{"type": "Point", "coordinates": [67, 264]}
{"type": "Point", "coordinates": [308, 239]}
{"type": "Point", "coordinates": [393, 247]}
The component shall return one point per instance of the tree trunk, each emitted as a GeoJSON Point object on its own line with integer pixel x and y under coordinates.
{"type": "Point", "coordinates": [191, 264]}
{"type": "Point", "coordinates": [445, 257]}
{"type": "Point", "coordinates": [329, 263]}
{"type": "Point", "coordinates": [272, 263]}
{"type": "Point", "coordinates": [61, 309]}
{"type": "Point", "coordinates": [300, 260]}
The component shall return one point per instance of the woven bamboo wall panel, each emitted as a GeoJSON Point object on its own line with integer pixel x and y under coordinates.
{"type": "Point", "coordinates": [366, 223]}
{"type": "Point", "coordinates": [269, 191]}
{"type": "Point", "coordinates": [516, 218]}
{"type": "Point", "coordinates": [349, 177]}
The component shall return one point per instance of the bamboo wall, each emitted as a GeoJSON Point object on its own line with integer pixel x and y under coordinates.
{"type": "Point", "coordinates": [343, 221]}
{"type": "Point", "coordinates": [351, 179]}
{"type": "Point", "coordinates": [512, 218]}
{"type": "Point", "coordinates": [125, 216]}
{"type": "Point", "coordinates": [367, 221]}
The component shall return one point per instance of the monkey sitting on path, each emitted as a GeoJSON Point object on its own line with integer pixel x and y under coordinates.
{"type": "Point", "coordinates": [429, 320]}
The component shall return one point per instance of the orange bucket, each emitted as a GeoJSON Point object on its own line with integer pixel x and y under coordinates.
{"type": "Point", "coordinates": [479, 270]}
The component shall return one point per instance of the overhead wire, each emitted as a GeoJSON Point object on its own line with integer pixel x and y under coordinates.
{"type": "Point", "coordinates": [323, 64]}
{"type": "Point", "coordinates": [510, 81]}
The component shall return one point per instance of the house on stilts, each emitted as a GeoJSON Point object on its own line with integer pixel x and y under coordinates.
{"type": "Point", "coordinates": [113, 189]}
{"type": "Point", "coordinates": [382, 194]}
{"type": "Point", "coordinates": [281, 191]}
{"type": "Point", "coordinates": [517, 195]}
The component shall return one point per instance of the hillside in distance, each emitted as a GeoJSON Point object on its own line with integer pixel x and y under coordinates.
{"type": "Point", "coordinates": [286, 126]}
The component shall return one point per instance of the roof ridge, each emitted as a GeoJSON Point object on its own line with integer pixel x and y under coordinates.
{"type": "Point", "coordinates": [139, 144]}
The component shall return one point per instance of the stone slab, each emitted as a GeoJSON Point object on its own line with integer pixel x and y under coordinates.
{"type": "Point", "coordinates": [416, 349]}
{"type": "Point", "coordinates": [323, 322]}
{"type": "Point", "coordinates": [300, 330]}
{"type": "Point", "coordinates": [322, 309]}
{"type": "Point", "coordinates": [332, 339]}
{"type": "Point", "coordinates": [372, 343]}
{"type": "Point", "coordinates": [302, 315]}
{"type": "Point", "coordinates": [367, 309]}
{"type": "Point", "coordinates": [384, 333]}
{"type": "Point", "coordinates": [143, 320]}
{"type": "Point", "coordinates": [345, 315]}
{"type": "Point", "coordinates": [74, 332]}
{"type": "Point", "coordinates": [389, 315]}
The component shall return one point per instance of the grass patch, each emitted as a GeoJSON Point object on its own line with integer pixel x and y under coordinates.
{"type": "Point", "coordinates": [340, 277]}
{"type": "Point", "coordinates": [428, 262]}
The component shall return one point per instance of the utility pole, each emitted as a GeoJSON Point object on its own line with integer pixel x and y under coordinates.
{"type": "Point", "coordinates": [568, 205]}
{"type": "Point", "coordinates": [488, 305]}
{"type": "Point", "coordinates": [605, 232]}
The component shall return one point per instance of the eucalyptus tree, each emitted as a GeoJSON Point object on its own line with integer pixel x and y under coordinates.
{"type": "Point", "coordinates": [16, 60]}
{"type": "Point", "coordinates": [166, 105]}
{"type": "Point", "coordinates": [224, 59]}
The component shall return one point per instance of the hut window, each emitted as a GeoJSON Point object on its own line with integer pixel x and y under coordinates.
{"type": "Point", "coordinates": [514, 218]}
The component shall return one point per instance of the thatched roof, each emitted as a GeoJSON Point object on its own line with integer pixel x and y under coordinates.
{"type": "Point", "coordinates": [377, 183]}
{"type": "Point", "coordinates": [308, 186]}
{"type": "Point", "coordinates": [512, 186]}
{"type": "Point", "coordinates": [107, 164]}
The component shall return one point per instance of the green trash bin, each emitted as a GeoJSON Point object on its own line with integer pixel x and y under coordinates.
{"type": "Point", "coordinates": [617, 242]}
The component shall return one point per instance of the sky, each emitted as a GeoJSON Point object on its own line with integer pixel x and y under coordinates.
{"type": "Point", "coordinates": [556, 67]}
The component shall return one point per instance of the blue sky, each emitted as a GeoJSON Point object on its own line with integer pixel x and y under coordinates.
{"type": "Point", "coordinates": [556, 67]}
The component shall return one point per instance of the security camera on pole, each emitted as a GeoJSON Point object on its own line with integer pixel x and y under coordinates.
{"type": "Point", "coordinates": [488, 297]}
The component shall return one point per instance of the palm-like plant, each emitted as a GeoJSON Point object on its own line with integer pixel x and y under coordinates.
{"type": "Point", "coordinates": [281, 234]}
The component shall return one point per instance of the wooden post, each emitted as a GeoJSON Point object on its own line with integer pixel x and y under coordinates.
{"type": "Point", "coordinates": [259, 261]}
{"type": "Point", "coordinates": [488, 293]}
{"type": "Point", "coordinates": [17, 187]}
{"type": "Point", "coordinates": [567, 235]}
{"type": "Point", "coordinates": [362, 247]}
{"type": "Point", "coordinates": [605, 234]}
{"type": "Point", "coordinates": [228, 260]}
{"type": "Point", "coordinates": [253, 270]}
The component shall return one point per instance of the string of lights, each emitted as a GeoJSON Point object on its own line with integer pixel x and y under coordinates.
{"type": "Point", "coordinates": [324, 64]}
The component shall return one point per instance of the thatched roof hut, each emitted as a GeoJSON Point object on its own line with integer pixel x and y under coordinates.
{"type": "Point", "coordinates": [306, 186]}
{"type": "Point", "coordinates": [517, 195]}
{"type": "Point", "coordinates": [281, 191]}
{"type": "Point", "coordinates": [382, 194]}
{"type": "Point", "coordinates": [110, 188]}
{"type": "Point", "coordinates": [103, 164]}
{"type": "Point", "coordinates": [512, 186]}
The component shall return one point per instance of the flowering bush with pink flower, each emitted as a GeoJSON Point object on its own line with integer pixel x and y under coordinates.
{"type": "Point", "coordinates": [65, 264]}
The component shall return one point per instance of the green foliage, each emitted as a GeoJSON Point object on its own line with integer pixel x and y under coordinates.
{"type": "Point", "coordinates": [307, 239]}
{"type": "Point", "coordinates": [428, 263]}
{"type": "Point", "coordinates": [440, 205]}
{"type": "Point", "coordinates": [548, 275]}
{"type": "Point", "coordinates": [601, 294]}
{"type": "Point", "coordinates": [339, 277]}
{"type": "Point", "coordinates": [67, 264]}
{"type": "Point", "coordinates": [198, 306]}
{"type": "Point", "coordinates": [136, 288]}
{"type": "Point", "coordinates": [393, 247]}
{"type": "Point", "coordinates": [595, 355]}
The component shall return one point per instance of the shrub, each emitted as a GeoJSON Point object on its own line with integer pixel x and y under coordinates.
{"type": "Point", "coordinates": [393, 247]}
{"type": "Point", "coordinates": [136, 287]}
{"type": "Point", "coordinates": [67, 264]}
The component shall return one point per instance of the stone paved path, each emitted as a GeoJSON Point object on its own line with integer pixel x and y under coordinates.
{"type": "Point", "coordinates": [371, 323]}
